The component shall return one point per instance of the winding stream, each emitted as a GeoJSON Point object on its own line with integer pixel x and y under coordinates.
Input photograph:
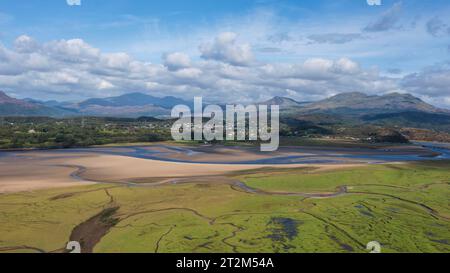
{"type": "Point", "coordinates": [307, 155]}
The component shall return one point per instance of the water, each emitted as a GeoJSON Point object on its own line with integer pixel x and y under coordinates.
{"type": "Point", "coordinates": [314, 156]}
{"type": "Point", "coordinates": [442, 148]}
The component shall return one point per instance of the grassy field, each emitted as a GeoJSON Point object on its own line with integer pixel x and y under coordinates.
{"type": "Point", "coordinates": [405, 207]}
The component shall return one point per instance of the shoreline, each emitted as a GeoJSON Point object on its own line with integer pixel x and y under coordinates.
{"type": "Point", "coordinates": [132, 144]}
{"type": "Point", "coordinates": [36, 169]}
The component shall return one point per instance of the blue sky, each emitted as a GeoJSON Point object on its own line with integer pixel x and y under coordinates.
{"type": "Point", "coordinates": [237, 50]}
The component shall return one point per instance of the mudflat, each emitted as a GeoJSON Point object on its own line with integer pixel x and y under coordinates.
{"type": "Point", "coordinates": [335, 207]}
{"type": "Point", "coordinates": [33, 173]}
{"type": "Point", "coordinates": [37, 170]}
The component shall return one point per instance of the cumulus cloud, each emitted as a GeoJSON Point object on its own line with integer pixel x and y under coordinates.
{"type": "Point", "coordinates": [25, 44]}
{"type": "Point", "coordinates": [226, 49]}
{"type": "Point", "coordinates": [433, 82]}
{"type": "Point", "coordinates": [67, 68]}
{"type": "Point", "coordinates": [387, 21]}
{"type": "Point", "coordinates": [73, 69]}
{"type": "Point", "coordinates": [346, 66]}
{"type": "Point", "coordinates": [188, 73]}
{"type": "Point", "coordinates": [74, 50]}
{"type": "Point", "coordinates": [177, 60]}
{"type": "Point", "coordinates": [104, 85]}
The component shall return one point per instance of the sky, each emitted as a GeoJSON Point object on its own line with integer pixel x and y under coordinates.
{"type": "Point", "coordinates": [225, 51]}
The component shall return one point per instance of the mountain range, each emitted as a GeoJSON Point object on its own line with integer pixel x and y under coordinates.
{"type": "Point", "coordinates": [368, 107]}
{"type": "Point", "coordinates": [357, 104]}
{"type": "Point", "coordinates": [129, 105]}
{"type": "Point", "coordinates": [14, 107]}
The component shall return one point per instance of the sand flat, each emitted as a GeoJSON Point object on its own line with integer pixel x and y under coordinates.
{"type": "Point", "coordinates": [111, 167]}
{"type": "Point", "coordinates": [222, 154]}
{"type": "Point", "coordinates": [36, 170]}
{"type": "Point", "coordinates": [31, 176]}
{"type": "Point", "coordinates": [44, 170]}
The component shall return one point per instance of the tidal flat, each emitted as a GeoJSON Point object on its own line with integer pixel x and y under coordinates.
{"type": "Point", "coordinates": [112, 202]}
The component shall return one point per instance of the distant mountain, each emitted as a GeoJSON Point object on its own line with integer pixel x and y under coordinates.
{"type": "Point", "coordinates": [284, 102]}
{"type": "Point", "coordinates": [49, 103]}
{"type": "Point", "coordinates": [358, 109]}
{"type": "Point", "coordinates": [392, 108]}
{"type": "Point", "coordinates": [356, 103]}
{"type": "Point", "coordinates": [411, 119]}
{"type": "Point", "coordinates": [131, 105]}
{"type": "Point", "coordinates": [14, 107]}
{"type": "Point", "coordinates": [5, 100]}
{"type": "Point", "coordinates": [134, 99]}
{"type": "Point", "coordinates": [123, 111]}
{"type": "Point", "coordinates": [128, 105]}
{"type": "Point", "coordinates": [360, 103]}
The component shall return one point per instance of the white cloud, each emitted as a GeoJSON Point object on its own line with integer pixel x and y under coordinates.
{"type": "Point", "coordinates": [177, 60]}
{"type": "Point", "coordinates": [433, 82]}
{"type": "Point", "coordinates": [75, 50]}
{"type": "Point", "coordinates": [116, 60]}
{"type": "Point", "coordinates": [73, 69]}
{"type": "Point", "coordinates": [25, 44]}
{"type": "Point", "coordinates": [346, 65]}
{"type": "Point", "coordinates": [226, 49]}
{"type": "Point", "coordinates": [188, 73]}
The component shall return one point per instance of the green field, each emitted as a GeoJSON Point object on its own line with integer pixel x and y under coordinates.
{"type": "Point", "coordinates": [405, 207]}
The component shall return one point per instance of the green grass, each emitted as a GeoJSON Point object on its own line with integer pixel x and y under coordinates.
{"type": "Point", "coordinates": [399, 175]}
{"type": "Point", "coordinates": [331, 142]}
{"type": "Point", "coordinates": [387, 203]}
{"type": "Point", "coordinates": [33, 219]}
